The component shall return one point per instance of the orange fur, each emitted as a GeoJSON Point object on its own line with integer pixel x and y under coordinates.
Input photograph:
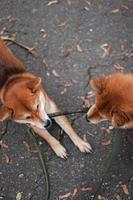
{"type": "Point", "coordinates": [114, 100]}
{"type": "Point", "coordinates": [25, 101]}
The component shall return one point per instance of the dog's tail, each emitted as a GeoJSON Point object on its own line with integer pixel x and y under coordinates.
{"type": "Point", "coordinates": [7, 58]}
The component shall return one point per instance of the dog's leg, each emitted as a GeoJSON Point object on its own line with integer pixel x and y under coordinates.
{"type": "Point", "coordinates": [66, 126]}
{"type": "Point", "coordinates": [55, 144]}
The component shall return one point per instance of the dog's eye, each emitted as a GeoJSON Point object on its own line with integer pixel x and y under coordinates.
{"type": "Point", "coordinates": [28, 117]}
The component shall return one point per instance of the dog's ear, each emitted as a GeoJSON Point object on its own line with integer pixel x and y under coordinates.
{"type": "Point", "coordinates": [99, 84]}
{"type": "Point", "coordinates": [5, 112]}
{"type": "Point", "coordinates": [120, 118]}
{"type": "Point", "coordinates": [34, 84]}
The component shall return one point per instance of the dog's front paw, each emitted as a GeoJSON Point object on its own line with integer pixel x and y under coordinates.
{"type": "Point", "coordinates": [83, 146]}
{"type": "Point", "coordinates": [60, 150]}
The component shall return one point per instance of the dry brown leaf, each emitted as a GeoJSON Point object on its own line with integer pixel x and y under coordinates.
{"type": "Point", "coordinates": [2, 31]}
{"type": "Point", "coordinates": [62, 23]}
{"type": "Point", "coordinates": [125, 189]}
{"type": "Point", "coordinates": [74, 192]}
{"type": "Point", "coordinates": [3, 145]}
{"type": "Point", "coordinates": [45, 62]}
{"type": "Point", "coordinates": [115, 10]}
{"type": "Point", "coordinates": [55, 73]}
{"type": "Point", "coordinates": [101, 197]}
{"type": "Point", "coordinates": [86, 8]}
{"type": "Point", "coordinates": [68, 84]}
{"type": "Point", "coordinates": [63, 91]}
{"type": "Point", "coordinates": [7, 159]}
{"type": "Point", "coordinates": [88, 2]}
{"type": "Point", "coordinates": [117, 196]}
{"type": "Point", "coordinates": [79, 48]}
{"type": "Point", "coordinates": [86, 102]}
{"type": "Point", "coordinates": [65, 195]}
{"type": "Point", "coordinates": [125, 7]}
{"type": "Point", "coordinates": [87, 189]}
{"type": "Point", "coordinates": [52, 2]}
{"type": "Point", "coordinates": [106, 142]}
{"type": "Point", "coordinates": [118, 66]}
{"type": "Point", "coordinates": [90, 94]}
{"type": "Point", "coordinates": [129, 54]}
{"type": "Point", "coordinates": [106, 49]}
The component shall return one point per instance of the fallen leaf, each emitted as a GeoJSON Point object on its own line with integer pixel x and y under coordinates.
{"type": "Point", "coordinates": [3, 145]}
{"type": "Point", "coordinates": [87, 189]}
{"type": "Point", "coordinates": [52, 2]}
{"type": "Point", "coordinates": [117, 196]}
{"type": "Point", "coordinates": [74, 192]}
{"type": "Point", "coordinates": [2, 31]}
{"type": "Point", "coordinates": [129, 54]}
{"type": "Point", "coordinates": [79, 48]}
{"type": "Point", "coordinates": [55, 73]}
{"type": "Point", "coordinates": [44, 35]}
{"type": "Point", "coordinates": [88, 2]}
{"type": "Point", "coordinates": [86, 102]}
{"type": "Point", "coordinates": [124, 6]}
{"type": "Point", "coordinates": [63, 91]}
{"type": "Point", "coordinates": [45, 62]}
{"type": "Point", "coordinates": [118, 66]}
{"type": "Point", "coordinates": [86, 8]}
{"type": "Point", "coordinates": [19, 196]}
{"type": "Point", "coordinates": [106, 49]}
{"type": "Point", "coordinates": [115, 10]}
{"type": "Point", "coordinates": [68, 84]}
{"type": "Point", "coordinates": [125, 189]}
{"type": "Point", "coordinates": [101, 197]}
{"type": "Point", "coordinates": [62, 23]}
{"type": "Point", "coordinates": [65, 195]}
{"type": "Point", "coordinates": [7, 159]}
{"type": "Point", "coordinates": [106, 142]}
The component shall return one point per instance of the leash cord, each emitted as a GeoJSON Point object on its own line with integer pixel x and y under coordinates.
{"type": "Point", "coordinates": [56, 114]}
{"type": "Point", "coordinates": [43, 164]}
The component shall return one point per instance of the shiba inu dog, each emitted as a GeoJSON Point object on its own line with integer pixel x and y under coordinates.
{"type": "Point", "coordinates": [25, 101]}
{"type": "Point", "coordinates": [114, 100]}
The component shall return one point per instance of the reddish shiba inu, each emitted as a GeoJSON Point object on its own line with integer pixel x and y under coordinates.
{"type": "Point", "coordinates": [25, 101]}
{"type": "Point", "coordinates": [114, 100]}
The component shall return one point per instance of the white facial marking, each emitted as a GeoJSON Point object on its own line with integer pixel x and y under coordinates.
{"type": "Point", "coordinates": [41, 108]}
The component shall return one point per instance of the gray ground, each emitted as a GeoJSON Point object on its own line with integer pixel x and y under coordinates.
{"type": "Point", "coordinates": [55, 31]}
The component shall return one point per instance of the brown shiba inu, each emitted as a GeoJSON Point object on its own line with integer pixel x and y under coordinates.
{"type": "Point", "coordinates": [114, 100]}
{"type": "Point", "coordinates": [25, 101]}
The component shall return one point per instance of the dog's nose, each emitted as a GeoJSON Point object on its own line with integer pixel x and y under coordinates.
{"type": "Point", "coordinates": [87, 119]}
{"type": "Point", "coordinates": [48, 123]}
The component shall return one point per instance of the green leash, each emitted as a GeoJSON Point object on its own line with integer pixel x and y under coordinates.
{"type": "Point", "coordinates": [44, 168]}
